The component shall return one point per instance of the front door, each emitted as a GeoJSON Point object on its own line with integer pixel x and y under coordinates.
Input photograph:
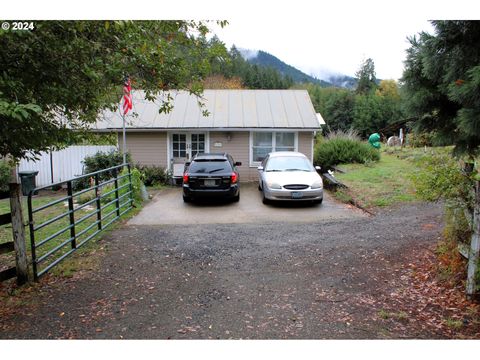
{"type": "Point", "coordinates": [184, 147]}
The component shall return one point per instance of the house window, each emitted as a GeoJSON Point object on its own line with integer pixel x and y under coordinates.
{"type": "Point", "coordinates": [179, 145]}
{"type": "Point", "coordinates": [266, 142]}
{"type": "Point", "coordinates": [261, 146]}
{"type": "Point", "coordinates": [284, 141]}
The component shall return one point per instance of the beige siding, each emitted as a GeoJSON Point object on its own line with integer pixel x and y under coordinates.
{"type": "Point", "coordinates": [146, 148]}
{"type": "Point", "coordinates": [150, 148]}
{"type": "Point", "coordinates": [305, 142]}
{"type": "Point", "coordinates": [239, 147]}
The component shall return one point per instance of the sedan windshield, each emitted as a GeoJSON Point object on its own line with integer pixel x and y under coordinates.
{"type": "Point", "coordinates": [289, 163]}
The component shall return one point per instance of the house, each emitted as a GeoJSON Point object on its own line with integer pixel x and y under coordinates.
{"type": "Point", "coordinates": [248, 124]}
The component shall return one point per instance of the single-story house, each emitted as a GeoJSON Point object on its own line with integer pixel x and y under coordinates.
{"type": "Point", "coordinates": [248, 124]}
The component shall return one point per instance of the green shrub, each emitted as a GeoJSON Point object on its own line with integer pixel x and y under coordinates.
{"type": "Point", "coordinates": [100, 161]}
{"type": "Point", "coordinates": [137, 184]}
{"type": "Point", "coordinates": [439, 176]}
{"type": "Point", "coordinates": [153, 175]}
{"type": "Point", "coordinates": [343, 150]}
{"type": "Point", "coordinates": [429, 139]}
{"type": "Point", "coordinates": [420, 139]}
{"type": "Point", "coordinates": [5, 172]}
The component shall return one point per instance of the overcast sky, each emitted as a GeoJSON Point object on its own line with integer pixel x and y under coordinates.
{"type": "Point", "coordinates": [332, 45]}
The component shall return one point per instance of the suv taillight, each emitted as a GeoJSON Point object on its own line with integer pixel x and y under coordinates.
{"type": "Point", "coordinates": [185, 178]}
{"type": "Point", "coordinates": [233, 178]}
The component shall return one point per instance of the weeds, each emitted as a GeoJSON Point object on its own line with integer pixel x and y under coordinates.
{"type": "Point", "coordinates": [401, 315]}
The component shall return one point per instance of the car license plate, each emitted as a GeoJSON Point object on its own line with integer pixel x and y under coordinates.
{"type": "Point", "coordinates": [209, 182]}
{"type": "Point", "coordinates": [297, 195]}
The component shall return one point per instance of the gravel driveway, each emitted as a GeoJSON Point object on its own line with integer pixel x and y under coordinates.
{"type": "Point", "coordinates": [325, 279]}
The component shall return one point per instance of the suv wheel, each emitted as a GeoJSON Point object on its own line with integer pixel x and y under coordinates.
{"type": "Point", "coordinates": [186, 199]}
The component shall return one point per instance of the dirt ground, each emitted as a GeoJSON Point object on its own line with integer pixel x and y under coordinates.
{"type": "Point", "coordinates": [346, 278]}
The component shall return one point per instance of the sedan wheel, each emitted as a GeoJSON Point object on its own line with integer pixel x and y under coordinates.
{"type": "Point", "coordinates": [264, 199]}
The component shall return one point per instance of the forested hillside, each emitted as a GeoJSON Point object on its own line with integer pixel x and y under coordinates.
{"type": "Point", "coordinates": [263, 58]}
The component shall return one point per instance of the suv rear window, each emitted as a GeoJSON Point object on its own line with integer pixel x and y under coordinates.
{"type": "Point", "coordinates": [209, 166]}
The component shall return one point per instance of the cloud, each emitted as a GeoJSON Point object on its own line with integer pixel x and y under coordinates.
{"type": "Point", "coordinates": [248, 54]}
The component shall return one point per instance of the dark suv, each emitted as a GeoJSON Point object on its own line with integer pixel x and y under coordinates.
{"type": "Point", "coordinates": [211, 176]}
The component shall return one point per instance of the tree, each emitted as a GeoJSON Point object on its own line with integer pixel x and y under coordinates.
{"type": "Point", "coordinates": [442, 84]}
{"type": "Point", "coordinates": [335, 105]}
{"type": "Point", "coordinates": [338, 112]}
{"type": "Point", "coordinates": [58, 77]}
{"type": "Point", "coordinates": [388, 88]}
{"type": "Point", "coordinates": [367, 115]}
{"type": "Point", "coordinates": [367, 82]}
{"type": "Point", "coordinates": [221, 82]}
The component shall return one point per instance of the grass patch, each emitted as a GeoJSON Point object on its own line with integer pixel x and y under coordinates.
{"type": "Point", "coordinates": [385, 315]}
{"type": "Point", "coordinates": [73, 263]}
{"type": "Point", "coordinates": [382, 183]}
{"type": "Point", "coordinates": [453, 323]}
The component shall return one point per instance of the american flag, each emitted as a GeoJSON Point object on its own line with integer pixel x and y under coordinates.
{"type": "Point", "coordinates": [127, 96]}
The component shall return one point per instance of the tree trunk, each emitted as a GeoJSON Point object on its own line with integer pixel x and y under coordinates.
{"type": "Point", "coordinates": [474, 245]}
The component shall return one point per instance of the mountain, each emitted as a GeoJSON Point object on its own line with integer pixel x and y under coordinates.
{"type": "Point", "coordinates": [343, 81]}
{"type": "Point", "coordinates": [265, 59]}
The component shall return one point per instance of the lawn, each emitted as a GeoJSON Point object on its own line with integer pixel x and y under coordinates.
{"type": "Point", "coordinates": [383, 183]}
{"type": "Point", "coordinates": [50, 250]}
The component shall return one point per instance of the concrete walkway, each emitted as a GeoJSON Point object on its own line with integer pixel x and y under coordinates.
{"type": "Point", "coordinates": [167, 207]}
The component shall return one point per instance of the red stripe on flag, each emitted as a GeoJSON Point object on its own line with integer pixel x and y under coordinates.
{"type": "Point", "coordinates": [127, 97]}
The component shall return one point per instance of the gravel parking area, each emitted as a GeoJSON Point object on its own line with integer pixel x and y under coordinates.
{"type": "Point", "coordinates": [327, 279]}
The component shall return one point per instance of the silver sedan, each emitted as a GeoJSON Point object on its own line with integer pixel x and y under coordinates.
{"type": "Point", "coordinates": [288, 175]}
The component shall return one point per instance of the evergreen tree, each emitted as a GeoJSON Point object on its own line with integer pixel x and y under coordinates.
{"type": "Point", "coordinates": [442, 83]}
{"type": "Point", "coordinates": [253, 76]}
{"type": "Point", "coordinates": [367, 81]}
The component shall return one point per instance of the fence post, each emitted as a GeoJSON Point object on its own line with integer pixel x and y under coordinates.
{"type": "Point", "coordinates": [117, 202]}
{"type": "Point", "coordinates": [18, 234]}
{"type": "Point", "coordinates": [99, 204]}
{"type": "Point", "coordinates": [130, 186]}
{"type": "Point", "coordinates": [32, 236]}
{"type": "Point", "coordinates": [71, 214]}
{"type": "Point", "coordinates": [473, 254]}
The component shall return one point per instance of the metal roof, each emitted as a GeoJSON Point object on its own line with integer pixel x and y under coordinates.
{"type": "Point", "coordinates": [228, 109]}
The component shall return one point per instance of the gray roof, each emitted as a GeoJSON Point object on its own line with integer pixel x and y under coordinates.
{"type": "Point", "coordinates": [228, 109]}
